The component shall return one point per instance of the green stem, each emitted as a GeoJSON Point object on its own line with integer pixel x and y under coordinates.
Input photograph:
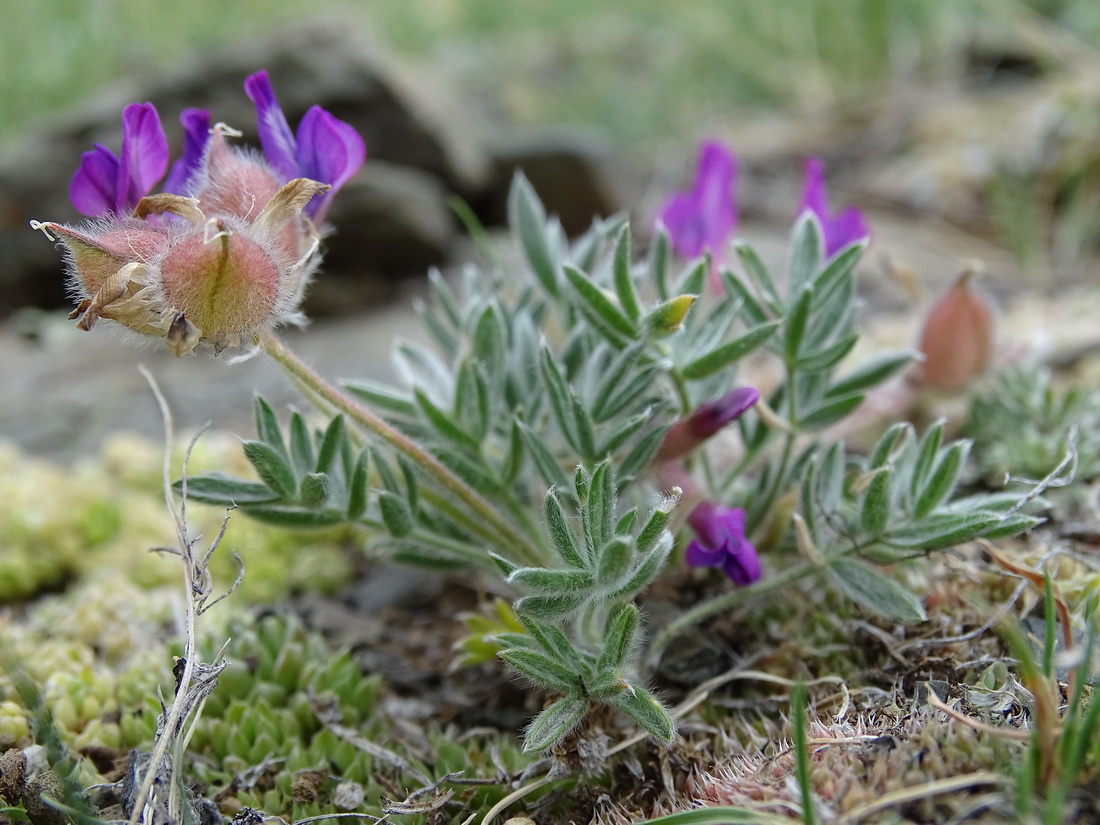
{"type": "Point", "coordinates": [507, 537]}
{"type": "Point", "coordinates": [772, 495]}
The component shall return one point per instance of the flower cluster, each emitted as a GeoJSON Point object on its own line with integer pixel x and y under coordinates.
{"type": "Point", "coordinates": [224, 252]}
{"type": "Point", "coordinates": [703, 218]}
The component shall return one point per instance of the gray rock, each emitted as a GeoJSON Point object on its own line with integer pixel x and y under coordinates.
{"type": "Point", "coordinates": [392, 221]}
{"type": "Point", "coordinates": [578, 174]}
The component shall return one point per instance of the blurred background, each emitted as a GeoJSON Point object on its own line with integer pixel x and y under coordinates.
{"type": "Point", "coordinates": [965, 128]}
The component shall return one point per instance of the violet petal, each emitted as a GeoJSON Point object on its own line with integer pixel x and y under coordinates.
{"type": "Point", "coordinates": [714, 195]}
{"type": "Point", "coordinates": [144, 157]}
{"type": "Point", "coordinates": [846, 228]}
{"type": "Point", "coordinates": [712, 416]}
{"type": "Point", "coordinates": [743, 568]}
{"type": "Point", "coordinates": [330, 151]}
{"type": "Point", "coordinates": [92, 188]}
{"type": "Point", "coordinates": [697, 555]}
{"type": "Point", "coordinates": [196, 135]}
{"type": "Point", "coordinates": [275, 136]}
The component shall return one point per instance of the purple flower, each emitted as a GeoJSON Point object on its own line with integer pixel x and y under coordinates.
{"type": "Point", "coordinates": [720, 542]}
{"type": "Point", "coordinates": [703, 218]}
{"type": "Point", "coordinates": [839, 230]}
{"type": "Point", "coordinates": [196, 136]}
{"type": "Point", "coordinates": [707, 419]}
{"type": "Point", "coordinates": [326, 149]}
{"type": "Point", "coordinates": [105, 182]}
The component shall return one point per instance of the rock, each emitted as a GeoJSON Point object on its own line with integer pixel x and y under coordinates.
{"type": "Point", "coordinates": [578, 174]}
{"type": "Point", "coordinates": [404, 117]}
{"type": "Point", "coordinates": [392, 221]}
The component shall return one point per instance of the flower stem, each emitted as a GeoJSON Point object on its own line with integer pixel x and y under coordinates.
{"type": "Point", "coordinates": [508, 538]}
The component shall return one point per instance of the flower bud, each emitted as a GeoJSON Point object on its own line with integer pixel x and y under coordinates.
{"type": "Point", "coordinates": [957, 339]}
{"type": "Point", "coordinates": [708, 418]}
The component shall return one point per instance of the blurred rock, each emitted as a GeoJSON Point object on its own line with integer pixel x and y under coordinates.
{"type": "Point", "coordinates": [391, 220]}
{"type": "Point", "coordinates": [577, 173]}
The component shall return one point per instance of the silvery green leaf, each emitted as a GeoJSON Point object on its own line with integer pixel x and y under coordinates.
{"type": "Point", "coordinates": [829, 413]}
{"type": "Point", "coordinates": [422, 368]}
{"type": "Point", "coordinates": [561, 534]}
{"type": "Point", "coordinates": [597, 306]}
{"type": "Point", "coordinates": [897, 434]}
{"type": "Point", "coordinates": [502, 564]}
{"type": "Point", "coordinates": [614, 559]}
{"type": "Point", "coordinates": [381, 396]}
{"type": "Point", "coordinates": [385, 471]}
{"type": "Point", "coordinates": [558, 390]}
{"type": "Point", "coordinates": [641, 706]}
{"type": "Point", "coordinates": [640, 454]}
{"type": "Point", "coordinates": [926, 457]}
{"type": "Point", "coordinates": [829, 356]}
{"type": "Point", "coordinates": [624, 432]}
{"type": "Point", "coordinates": [335, 434]}
{"type": "Point", "coordinates": [395, 514]}
{"type": "Point", "coordinates": [626, 522]}
{"type": "Point", "coordinates": [489, 337]}
{"type": "Point", "coordinates": [553, 642]}
{"type": "Point", "coordinates": [267, 426]}
{"type": "Point", "coordinates": [292, 515]}
{"type": "Point", "coordinates": [444, 297]}
{"type": "Point", "coordinates": [435, 326]}
{"type": "Point", "coordinates": [554, 724]}
{"type": "Point", "coordinates": [547, 465]}
{"type": "Point", "coordinates": [586, 439]}
{"type": "Point", "coordinates": [759, 275]}
{"type": "Point", "coordinates": [941, 530]}
{"type": "Point", "coordinates": [540, 669]}
{"type": "Point", "coordinates": [795, 329]}
{"type": "Point", "coordinates": [542, 582]}
{"type": "Point", "coordinates": [471, 471]}
{"type": "Point", "coordinates": [715, 326]}
{"type": "Point", "coordinates": [600, 506]}
{"type": "Point", "coordinates": [624, 281]}
{"type": "Point", "coordinates": [654, 528]}
{"type": "Point", "coordinates": [838, 269]}
{"type": "Point", "coordinates": [513, 460]}
{"type": "Point", "coordinates": [415, 553]}
{"type": "Point", "coordinates": [870, 374]}
{"type": "Point", "coordinates": [444, 424]}
{"type": "Point", "coordinates": [1012, 526]}
{"type": "Point", "coordinates": [875, 513]}
{"type": "Point", "coordinates": [647, 571]}
{"type": "Point", "coordinates": [633, 394]}
{"type": "Point", "coordinates": [357, 485]}
{"type": "Point", "coordinates": [942, 480]}
{"type": "Point", "coordinates": [272, 466]}
{"type": "Point", "coordinates": [808, 505]}
{"type": "Point", "coordinates": [658, 263]}
{"type": "Point", "coordinates": [313, 490]}
{"type": "Point", "coordinates": [806, 251]}
{"type": "Point", "coordinates": [729, 352]}
{"type": "Point", "coordinates": [876, 592]}
{"type": "Point", "coordinates": [527, 218]}
{"type": "Point", "coordinates": [218, 488]}
{"type": "Point", "coordinates": [831, 487]}
{"type": "Point", "coordinates": [549, 608]}
{"type": "Point", "coordinates": [693, 278]}
{"type": "Point", "coordinates": [618, 636]}
{"type": "Point", "coordinates": [301, 445]}
{"type": "Point", "coordinates": [749, 303]}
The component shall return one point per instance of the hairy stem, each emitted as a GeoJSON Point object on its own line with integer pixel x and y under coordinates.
{"type": "Point", "coordinates": [507, 537]}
